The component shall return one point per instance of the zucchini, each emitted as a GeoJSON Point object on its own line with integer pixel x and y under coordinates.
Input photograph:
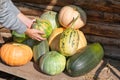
{"type": "Point", "coordinates": [84, 61]}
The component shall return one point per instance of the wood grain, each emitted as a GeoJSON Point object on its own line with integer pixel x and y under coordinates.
{"type": "Point", "coordinates": [98, 5]}
{"type": "Point", "coordinates": [30, 72]}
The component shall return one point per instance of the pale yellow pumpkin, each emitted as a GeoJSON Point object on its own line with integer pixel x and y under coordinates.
{"type": "Point", "coordinates": [68, 13]}
{"type": "Point", "coordinates": [55, 38]}
{"type": "Point", "coordinates": [16, 54]}
{"type": "Point", "coordinates": [82, 41]}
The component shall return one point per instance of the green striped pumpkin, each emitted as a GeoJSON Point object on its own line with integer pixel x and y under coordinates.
{"type": "Point", "coordinates": [19, 37]}
{"type": "Point", "coordinates": [39, 49]}
{"type": "Point", "coordinates": [52, 63]}
{"type": "Point", "coordinates": [51, 16]}
{"type": "Point", "coordinates": [43, 25]}
{"type": "Point", "coordinates": [69, 42]}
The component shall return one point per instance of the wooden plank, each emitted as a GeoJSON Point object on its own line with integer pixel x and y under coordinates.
{"type": "Point", "coordinates": [112, 52]}
{"type": "Point", "coordinates": [5, 34]}
{"type": "Point", "coordinates": [103, 40]}
{"type": "Point", "coordinates": [99, 5]}
{"type": "Point", "coordinates": [31, 72]}
{"type": "Point", "coordinates": [92, 15]}
{"type": "Point", "coordinates": [99, 16]}
{"type": "Point", "coordinates": [102, 29]}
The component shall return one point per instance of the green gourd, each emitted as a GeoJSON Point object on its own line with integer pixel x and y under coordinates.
{"type": "Point", "coordinates": [43, 25]}
{"type": "Point", "coordinates": [52, 63]}
{"type": "Point", "coordinates": [69, 40]}
{"type": "Point", "coordinates": [51, 16]}
{"type": "Point", "coordinates": [39, 49]}
{"type": "Point", "coordinates": [19, 37]}
{"type": "Point", "coordinates": [84, 61]}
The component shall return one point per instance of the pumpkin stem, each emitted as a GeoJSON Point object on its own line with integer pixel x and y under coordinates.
{"type": "Point", "coordinates": [37, 20]}
{"type": "Point", "coordinates": [73, 21]}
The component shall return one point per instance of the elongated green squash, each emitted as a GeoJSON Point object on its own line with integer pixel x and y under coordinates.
{"type": "Point", "coordinates": [40, 49]}
{"type": "Point", "coordinates": [69, 42]}
{"type": "Point", "coordinates": [83, 62]}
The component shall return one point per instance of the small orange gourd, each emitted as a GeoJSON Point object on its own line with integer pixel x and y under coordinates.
{"type": "Point", "coordinates": [16, 54]}
{"type": "Point", "coordinates": [70, 12]}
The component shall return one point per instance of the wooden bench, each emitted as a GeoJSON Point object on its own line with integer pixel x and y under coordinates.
{"type": "Point", "coordinates": [30, 71]}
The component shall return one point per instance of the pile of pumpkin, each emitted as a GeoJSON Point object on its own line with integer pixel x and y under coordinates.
{"type": "Point", "coordinates": [65, 47]}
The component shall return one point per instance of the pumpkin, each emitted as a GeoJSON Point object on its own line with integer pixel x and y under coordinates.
{"type": "Point", "coordinates": [51, 16]}
{"type": "Point", "coordinates": [16, 54]}
{"type": "Point", "coordinates": [39, 49]}
{"type": "Point", "coordinates": [54, 39]}
{"type": "Point", "coordinates": [52, 63]}
{"type": "Point", "coordinates": [19, 37]}
{"type": "Point", "coordinates": [43, 25]}
{"type": "Point", "coordinates": [30, 42]}
{"type": "Point", "coordinates": [68, 42]}
{"type": "Point", "coordinates": [84, 61]}
{"type": "Point", "coordinates": [68, 13]}
{"type": "Point", "coordinates": [82, 41]}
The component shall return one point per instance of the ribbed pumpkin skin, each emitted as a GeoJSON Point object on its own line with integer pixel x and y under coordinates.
{"type": "Point", "coordinates": [52, 63]}
{"type": "Point", "coordinates": [83, 62]}
{"type": "Point", "coordinates": [69, 42]}
{"type": "Point", "coordinates": [40, 49]}
{"type": "Point", "coordinates": [15, 54]}
{"type": "Point", "coordinates": [43, 25]}
{"type": "Point", "coordinates": [51, 16]}
{"type": "Point", "coordinates": [54, 39]}
{"type": "Point", "coordinates": [82, 41]}
{"type": "Point", "coordinates": [67, 13]}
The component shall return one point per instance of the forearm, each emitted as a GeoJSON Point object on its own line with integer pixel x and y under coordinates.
{"type": "Point", "coordinates": [13, 8]}
{"type": "Point", "coordinates": [8, 17]}
{"type": "Point", "coordinates": [22, 17]}
{"type": "Point", "coordinates": [28, 22]}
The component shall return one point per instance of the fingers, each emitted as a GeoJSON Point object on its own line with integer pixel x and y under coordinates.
{"type": "Point", "coordinates": [39, 32]}
{"type": "Point", "coordinates": [38, 36]}
{"type": "Point", "coordinates": [35, 34]}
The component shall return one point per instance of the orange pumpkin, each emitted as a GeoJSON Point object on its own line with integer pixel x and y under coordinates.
{"type": "Point", "coordinates": [55, 38]}
{"type": "Point", "coordinates": [70, 12]}
{"type": "Point", "coordinates": [16, 54]}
